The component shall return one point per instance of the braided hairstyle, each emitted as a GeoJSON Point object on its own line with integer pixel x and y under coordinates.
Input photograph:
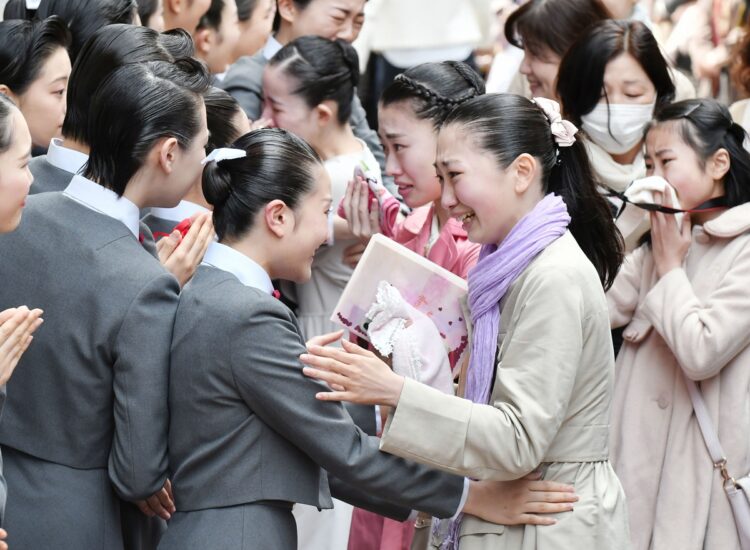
{"type": "Point", "coordinates": [323, 70]}
{"type": "Point", "coordinates": [434, 89]}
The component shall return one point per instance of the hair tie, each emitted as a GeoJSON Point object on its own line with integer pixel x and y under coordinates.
{"type": "Point", "coordinates": [563, 130]}
{"type": "Point", "coordinates": [224, 153]}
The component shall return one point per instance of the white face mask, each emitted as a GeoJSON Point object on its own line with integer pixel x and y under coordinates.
{"type": "Point", "coordinates": [625, 122]}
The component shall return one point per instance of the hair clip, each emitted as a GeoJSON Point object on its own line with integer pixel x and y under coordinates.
{"type": "Point", "coordinates": [224, 153]}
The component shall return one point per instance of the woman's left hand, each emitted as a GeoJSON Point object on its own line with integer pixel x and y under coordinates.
{"type": "Point", "coordinates": [355, 374]}
{"type": "Point", "coordinates": [669, 242]}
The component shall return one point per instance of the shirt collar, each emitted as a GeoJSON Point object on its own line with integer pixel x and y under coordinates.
{"type": "Point", "coordinates": [185, 209]}
{"type": "Point", "coordinates": [66, 159]}
{"type": "Point", "coordinates": [246, 270]}
{"type": "Point", "coordinates": [105, 201]}
{"type": "Point", "coordinates": [271, 48]}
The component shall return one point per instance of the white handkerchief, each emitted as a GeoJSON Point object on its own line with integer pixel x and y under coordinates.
{"type": "Point", "coordinates": [643, 190]}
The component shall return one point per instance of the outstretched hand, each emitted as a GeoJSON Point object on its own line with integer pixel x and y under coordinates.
{"type": "Point", "coordinates": [354, 374]}
{"type": "Point", "coordinates": [529, 500]}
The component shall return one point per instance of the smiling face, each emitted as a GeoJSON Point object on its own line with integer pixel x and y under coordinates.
{"type": "Point", "coordinates": [43, 102]}
{"type": "Point", "coordinates": [409, 144]}
{"type": "Point", "coordinates": [479, 192]}
{"type": "Point", "coordinates": [668, 156]}
{"type": "Point", "coordinates": [540, 70]}
{"type": "Point", "coordinates": [308, 231]}
{"type": "Point", "coordinates": [330, 19]}
{"type": "Point", "coordinates": [15, 177]}
{"type": "Point", "coordinates": [287, 110]}
{"type": "Point", "coordinates": [625, 82]}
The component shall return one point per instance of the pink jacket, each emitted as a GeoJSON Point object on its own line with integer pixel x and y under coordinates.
{"type": "Point", "coordinates": [452, 250]}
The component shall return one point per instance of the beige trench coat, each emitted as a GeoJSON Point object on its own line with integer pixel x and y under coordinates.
{"type": "Point", "coordinates": [550, 406]}
{"type": "Point", "coordinates": [696, 318]}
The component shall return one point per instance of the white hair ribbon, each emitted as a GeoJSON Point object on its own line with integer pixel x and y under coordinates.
{"type": "Point", "coordinates": [224, 153]}
{"type": "Point", "coordinates": [33, 4]}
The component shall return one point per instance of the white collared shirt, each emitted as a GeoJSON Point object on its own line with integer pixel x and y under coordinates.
{"type": "Point", "coordinates": [105, 201]}
{"type": "Point", "coordinates": [66, 159]}
{"type": "Point", "coordinates": [246, 270]}
{"type": "Point", "coordinates": [185, 209]}
{"type": "Point", "coordinates": [272, 47]}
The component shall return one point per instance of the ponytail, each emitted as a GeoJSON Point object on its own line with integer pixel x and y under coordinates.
{"type": "Point", "coordinates": [591, 218]}
{"type": "Point", "coordinates": [507, 126]}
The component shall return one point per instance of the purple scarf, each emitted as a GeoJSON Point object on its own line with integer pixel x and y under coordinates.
{"type": "Point", "coordinates": [497, 269]}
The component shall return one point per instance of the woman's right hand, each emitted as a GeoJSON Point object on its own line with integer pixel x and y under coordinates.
{"type": "Point", "coordinates": [16, 328]}
{"type": "Point", "coordinates": [529, 500]}
{"type": "Point", "coordinates": [362, 211]}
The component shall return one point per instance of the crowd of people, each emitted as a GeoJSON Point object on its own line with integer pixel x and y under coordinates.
{"type": "Point", "coordinates": [186, 189]}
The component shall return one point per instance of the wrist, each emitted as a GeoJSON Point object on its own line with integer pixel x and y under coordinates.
{"type": "Point", "coordinates": [396, 387]}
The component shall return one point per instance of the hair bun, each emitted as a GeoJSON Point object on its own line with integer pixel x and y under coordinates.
{"type": "Point", "coordinates": [351, 60]}
{"type": "Point", "coordinates": [217, 184]}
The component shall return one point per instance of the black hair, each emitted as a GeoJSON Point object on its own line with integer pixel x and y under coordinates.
{"type": "Point", "coordinates": [278, 166]}
{"type": "Point", "coordinates": [146, 8]}
{"type": "Point", "coordinates": [434, 89]}
{"type": "Point", "coordinates": [580, 80]}
{"type": "Point", "coordinates": [16, 9]}
{"type": "Point", "coordinates": [134, 107]}
{"type": "Point", "coordinates": [212, 18]}
{"type": "Point", "coordinates": [706, 126]}
{"type": "Point", "coordinates": [552, 25]}
{"type": "Point", "coordinates": [508, 125]}
{"type": "Point", "coordinates": [7, 108]}
{"type": "Point", "coordinates": [109, 49]}
{"type": "Point", "coordinates": [85, 17]}
{"type": "Point", "coordinates": [178, 43]}
{"type": "Point", "coordinates": [221, 108]}
{"type": "Point", "coordinates": [324, 69]}
{"type": "Point", "coordinates": [299, 4]}
{"type": "Point", "coordinates": [25, 46]}
{"type": "Point", "coordinates": [245, 9]}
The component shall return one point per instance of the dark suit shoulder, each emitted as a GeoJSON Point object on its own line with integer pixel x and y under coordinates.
{"type": "Point", "coordinates": [246, 72]}
{"type": "Point", "coordinates": [47, 178]}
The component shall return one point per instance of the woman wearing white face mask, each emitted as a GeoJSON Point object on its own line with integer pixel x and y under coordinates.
{"type": "Point", "coordinates": [610, 82]}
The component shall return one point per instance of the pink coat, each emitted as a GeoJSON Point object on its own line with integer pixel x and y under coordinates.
{"type": "Point", "coordinates": [452, 250]}
{"type": "Point", "coordinates": [695, 319]}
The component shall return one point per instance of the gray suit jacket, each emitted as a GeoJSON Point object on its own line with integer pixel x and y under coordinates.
{"type": "Point", "coordinates": [244, 81]}
{"type": "Point", "coordinates": [244, 422]}
{"type": "Point", "coordinates": [91, 392]}
{"type": "Point", "coordinates": [49, 178]}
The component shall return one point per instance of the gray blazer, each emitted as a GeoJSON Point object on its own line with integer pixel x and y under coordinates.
{"type": "Point", "coordinates": [90, 394]}
{"type": "Point", "coordinates": [235, 361]}
{"type": "Point", "coordinates": [244, 81]}
{"type": "Point", "coordinates": [49, 178]}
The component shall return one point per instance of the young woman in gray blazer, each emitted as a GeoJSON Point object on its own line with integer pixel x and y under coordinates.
{"type": "Point", "coordinates": [85, 421]}
{"type": "Point", "coordinates": [247, 438]}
